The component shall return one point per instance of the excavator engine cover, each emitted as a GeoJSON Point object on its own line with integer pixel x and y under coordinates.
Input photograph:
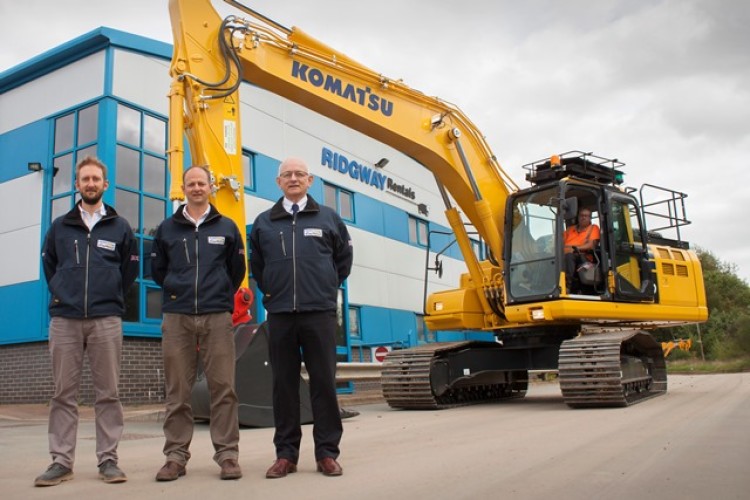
{"type": "Point", "coordinates": [253, 381]}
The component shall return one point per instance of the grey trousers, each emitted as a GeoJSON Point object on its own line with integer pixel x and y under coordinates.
{"type": "Point", "coordinates": [101, 340]}
{"type": "Point", "coordinates": [184, 338]}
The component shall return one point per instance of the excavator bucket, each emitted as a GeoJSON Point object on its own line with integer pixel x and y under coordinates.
{"type": "Point", "coordinates": [253, 381]}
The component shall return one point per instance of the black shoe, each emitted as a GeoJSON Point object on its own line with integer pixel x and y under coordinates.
{"type": "Point", "coordinates": [54, 475]}
{"type": "Point", "coordinates": [347, 413]}
{"type": "Point", "coordinates": [109, 472]}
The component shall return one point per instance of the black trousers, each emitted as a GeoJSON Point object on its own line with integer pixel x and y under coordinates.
{"type": "Point", "coordinates": [294, 337]}
{"type": "Point", "coordinates": [572, 261]}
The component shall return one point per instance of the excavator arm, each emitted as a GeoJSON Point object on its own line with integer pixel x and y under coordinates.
{"type": "Point", "coordinates": [212, 56]}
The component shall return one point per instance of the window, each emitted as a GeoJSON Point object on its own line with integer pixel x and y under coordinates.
{"type": "Point", "coordinates": [248, 170]}
{"type": "Point", "coordinates": [417, 231]}
{"type": "Point", "coordinates": [354, 327]}
{"type": "Point", "coordinates": [141, 198]}
{"type": "Point", "coordinates": [75, 138]}
{"type": "Point", "coordinates": [340, 200]}
{"type": "Point", "coordinates": [532, 267]}
{"type": "Point", "coordinates": [138, 176]}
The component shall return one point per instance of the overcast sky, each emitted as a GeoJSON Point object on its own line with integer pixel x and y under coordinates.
{"type": "Point", "coordinates": [664, 86]}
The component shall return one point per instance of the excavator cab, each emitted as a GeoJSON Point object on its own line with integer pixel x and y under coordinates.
{"type": "Point", "coordinates": [618, 268]}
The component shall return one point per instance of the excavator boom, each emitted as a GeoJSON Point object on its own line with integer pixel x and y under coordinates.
{"type": "Point", "coordinates": [212, 56]}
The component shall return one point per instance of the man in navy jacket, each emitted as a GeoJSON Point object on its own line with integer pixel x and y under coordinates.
{"type": "Point", "coordinates": [301, 254]}
{"type": "Point", "coordinates": [198, 259]}
{"type": "Point", "coordinates": [90, 259]}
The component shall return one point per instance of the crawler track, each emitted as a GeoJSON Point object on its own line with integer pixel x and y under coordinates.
{"type": "Point", "coordinates": [611, 369]}
{"type": "Point", "coordinates": [407, 381]}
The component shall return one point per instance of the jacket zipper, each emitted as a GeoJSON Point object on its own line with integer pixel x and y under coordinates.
{"type": "Point", "coordinates": [197, 259]}
{"type": "Point", "coordinates": [86, 284]}
{"type": "Point", "coordinates": [294, 262]}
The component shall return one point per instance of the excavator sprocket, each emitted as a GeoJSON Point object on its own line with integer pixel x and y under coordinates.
{"type": "Point", "coordinates": [611, 369]}
{"type": "Point", "coordinates": [407, 380]}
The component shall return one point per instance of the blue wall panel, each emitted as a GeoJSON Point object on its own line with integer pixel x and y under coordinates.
{"type": "Point", "coordinates": [396, 223]}
{"type": "Point", "coordinates": [369, 213]}
{"type": "Point", "coordinates": [266, 171]}
{"type": "Point", "coordinates": [18, 147]}
{"type": "Point", "coordinates": [20, 315]}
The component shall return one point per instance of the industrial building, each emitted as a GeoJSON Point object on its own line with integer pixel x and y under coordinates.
{"type": "Point", "coordinates": [104, 94]}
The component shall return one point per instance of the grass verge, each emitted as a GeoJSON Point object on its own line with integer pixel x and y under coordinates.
{"type": "Point", "coordinates": [697, 366]}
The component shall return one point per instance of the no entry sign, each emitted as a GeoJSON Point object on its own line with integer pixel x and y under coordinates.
{"type": "Point", "coordinates": [379, 353]}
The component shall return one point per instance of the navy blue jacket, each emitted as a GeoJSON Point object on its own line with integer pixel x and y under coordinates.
{"type": "Point", "coordinates": [88, 272]}
{"type": "Point", "coordinates": [198, 268]}
{"type": "Point", "coordinates": [300, 262]}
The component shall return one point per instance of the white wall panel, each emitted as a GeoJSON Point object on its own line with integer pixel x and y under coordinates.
{"type": "Point", "coordinates": [20, 229]}
{"type": "Point", "coordinates": [390, 274]}
{"type": "Point", "coordinates": [254, 206]}
{"type": "Point", "coordinates": [21, 202]}
{"type": "Point", "coordinates": [142, 79]}
{"type": "Point", "coordinates": [262, 132]}
{"type": "Point", "coordinates": [20, 253]}
{"type": "Point", "coordinates": [61, 89]}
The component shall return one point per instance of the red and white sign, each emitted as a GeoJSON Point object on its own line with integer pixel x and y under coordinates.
{"type": "Point", "coordinates": [379, 353]}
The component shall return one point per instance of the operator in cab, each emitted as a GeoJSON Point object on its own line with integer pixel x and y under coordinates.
{"type": "Point", "coordinates": [579, 242]}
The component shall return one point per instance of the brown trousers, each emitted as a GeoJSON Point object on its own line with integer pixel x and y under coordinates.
{"type": "Point", "coordinates": [101, 339]}
{"type": "Point", "coordinates": [184, 338]}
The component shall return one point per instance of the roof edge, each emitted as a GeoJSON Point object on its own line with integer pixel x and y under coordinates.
{"type": "Point", "coordinates": [78, 48]}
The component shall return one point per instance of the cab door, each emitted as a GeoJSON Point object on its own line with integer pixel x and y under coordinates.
{"type": "Point", "coordinates": [630, 265]}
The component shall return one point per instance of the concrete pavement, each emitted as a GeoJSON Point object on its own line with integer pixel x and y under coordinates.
{"type": "Point", "coordinates": [24, 455]}
{"type": "Point", "coordinates": [689, 443]}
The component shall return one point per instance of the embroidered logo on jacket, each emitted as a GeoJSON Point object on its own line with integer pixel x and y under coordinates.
{"type": "Point", "coordinates": [313, 232]}
{"type": "Point", "coordinates": [216, 240]}
{"type": "Point", "coordinates": [107, 245]}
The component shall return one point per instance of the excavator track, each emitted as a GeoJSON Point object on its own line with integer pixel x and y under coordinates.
{"type": "Point", "coordinates": [407, 380]}
{"type": "Point", "coordinates": [611, 369]}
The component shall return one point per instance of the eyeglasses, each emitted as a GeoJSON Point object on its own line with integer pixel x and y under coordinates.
{"type": "Point", "coordinates": [299, 174]}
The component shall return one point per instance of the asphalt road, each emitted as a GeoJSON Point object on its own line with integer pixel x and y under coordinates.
{"type": "Point", "coordinates": [693, 443]}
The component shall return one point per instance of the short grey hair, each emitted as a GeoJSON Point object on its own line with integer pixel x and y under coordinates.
{"type": "Point", "coordinates": [293, 159]}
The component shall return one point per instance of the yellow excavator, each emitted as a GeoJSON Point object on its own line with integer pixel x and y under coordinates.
{"type": "Point", "coordinates": [593, 333]}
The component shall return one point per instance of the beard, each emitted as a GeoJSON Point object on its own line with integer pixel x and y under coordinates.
{"type": "Point", "coordinates": [92, 198]}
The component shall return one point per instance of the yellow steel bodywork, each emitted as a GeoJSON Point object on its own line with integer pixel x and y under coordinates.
{"type": "Point", "coordinates": [212, 126]}
{"type": "Point", "coordinates": [437, 134]}
{"type": "Point", "coordinates": [680, 291]}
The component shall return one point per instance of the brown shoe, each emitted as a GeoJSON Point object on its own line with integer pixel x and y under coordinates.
{"type": "Point", "coordinates": [170, 471]}
{"type": "Point", "coordinates": [280, 468]}
{"type": "Point", "coordinates": [329, 467]}
{"type": "Point", "coordinates": [230, 469]}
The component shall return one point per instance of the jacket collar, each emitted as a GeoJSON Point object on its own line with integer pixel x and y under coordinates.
{"type": "Point", "coordinates": [278, 211]}
{"type": "Point", "coordinates": [178, 216]}
{"type": "Point", "coordinates": [74, 216]}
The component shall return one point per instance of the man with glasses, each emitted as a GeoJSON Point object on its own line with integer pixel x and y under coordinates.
{"type": "Point", "coordinates": [301, 254]}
